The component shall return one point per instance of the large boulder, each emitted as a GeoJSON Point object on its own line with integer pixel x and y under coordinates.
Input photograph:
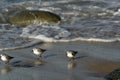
{"type": "Point", "coordinates": [33, 16]}
{"type": "Point", "coordinates": [114, 75]}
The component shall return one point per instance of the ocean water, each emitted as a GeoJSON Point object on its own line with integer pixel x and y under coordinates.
{"type": "Point", "coordinates": [82, 20]}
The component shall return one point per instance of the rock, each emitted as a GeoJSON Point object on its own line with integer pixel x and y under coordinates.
{"type": "Point", "coordinates": [33, 16]}
{"type": "Point", "coordinates": [114, 75]}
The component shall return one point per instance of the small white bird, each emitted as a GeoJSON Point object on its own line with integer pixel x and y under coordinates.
{"type": "Point", "coordinates": [38, 52]}
{"type": "Point", "coordinates": [5, 58]}
{"type": "Point", "coordinates": [71, 54]}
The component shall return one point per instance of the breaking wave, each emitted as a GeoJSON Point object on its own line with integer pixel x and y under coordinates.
{"type": "Point", "coordinates": [81, 21]}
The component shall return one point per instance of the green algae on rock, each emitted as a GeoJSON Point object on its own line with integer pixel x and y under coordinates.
{"type": "Point", "coordinates": [33, 16]}
{"type": "Point", "coordinates": [114, 75]}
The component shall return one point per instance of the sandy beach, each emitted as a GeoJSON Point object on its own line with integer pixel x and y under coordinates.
{"type": "Point", "coordinates": [93, 61]}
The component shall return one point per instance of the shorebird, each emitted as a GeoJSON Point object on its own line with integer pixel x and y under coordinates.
{"type": "Point", "coordinates": [5, 58]}
{"type": "Point", "coordinates": [71, 54]}
{"type": "Point", "coordinates": [38, 52]}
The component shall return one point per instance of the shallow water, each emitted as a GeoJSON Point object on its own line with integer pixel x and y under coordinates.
{"type": "Point", "coordinates": [86, 20]}
{"type": "Point", "coordinates": [88, 64]}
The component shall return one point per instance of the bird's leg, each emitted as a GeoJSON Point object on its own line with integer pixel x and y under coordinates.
{"type": "Point", "coordinates": [39, 57]}
{"type": "Point", "coordinates": [6, 62]}
{"type": "Point", "coordinates": [70, 59]}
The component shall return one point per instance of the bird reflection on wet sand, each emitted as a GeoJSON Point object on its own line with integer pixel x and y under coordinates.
{"type": "Point", "coordinates": [5, 70]}
{"type": "Point", "coordinates": [71, 64]}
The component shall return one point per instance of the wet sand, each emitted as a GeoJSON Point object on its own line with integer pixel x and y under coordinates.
{"type": "Point", "coordinates": [93, 61]}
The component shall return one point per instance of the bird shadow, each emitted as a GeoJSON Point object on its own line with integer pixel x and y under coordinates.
{"type": "Point", "coordinates": [80, 57]}
{"type": "Point", "coordinates": [24, 64]}
{"type": "Point", "coordinates": [15, 62]}
{"type": "Point", "coordinates": [50, 55]}
{"type": "Point", "coordinates": [19, 64]}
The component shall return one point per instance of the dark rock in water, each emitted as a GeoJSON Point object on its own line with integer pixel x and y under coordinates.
{"type": "Point", "coordinates": [114, 75]}
{"type": "Point", "coordinates": [33, 16]}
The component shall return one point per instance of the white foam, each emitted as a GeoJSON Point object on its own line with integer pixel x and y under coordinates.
{"type": "Point", "coordinates": [88, 39]}
{"type": "Point", "coordinates": [117, 13]}
{"type": "Point", "coordinates": [55, 33]}
{"type": "Point", "coordinates": [45, 33]}
{"type": "Point", "coordinates": [23, 46]}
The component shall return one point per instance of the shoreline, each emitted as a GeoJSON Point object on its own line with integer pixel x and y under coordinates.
{"type": "Point", "coordinates": [47, 40]}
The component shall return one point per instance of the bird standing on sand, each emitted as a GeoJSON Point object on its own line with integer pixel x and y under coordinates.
{"type": "Point", "coordinates": [38, 52]}
{"type": "Point", "coordinates": [5, 58]}
{"type": "Point", "coordinates": [71, 54]}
